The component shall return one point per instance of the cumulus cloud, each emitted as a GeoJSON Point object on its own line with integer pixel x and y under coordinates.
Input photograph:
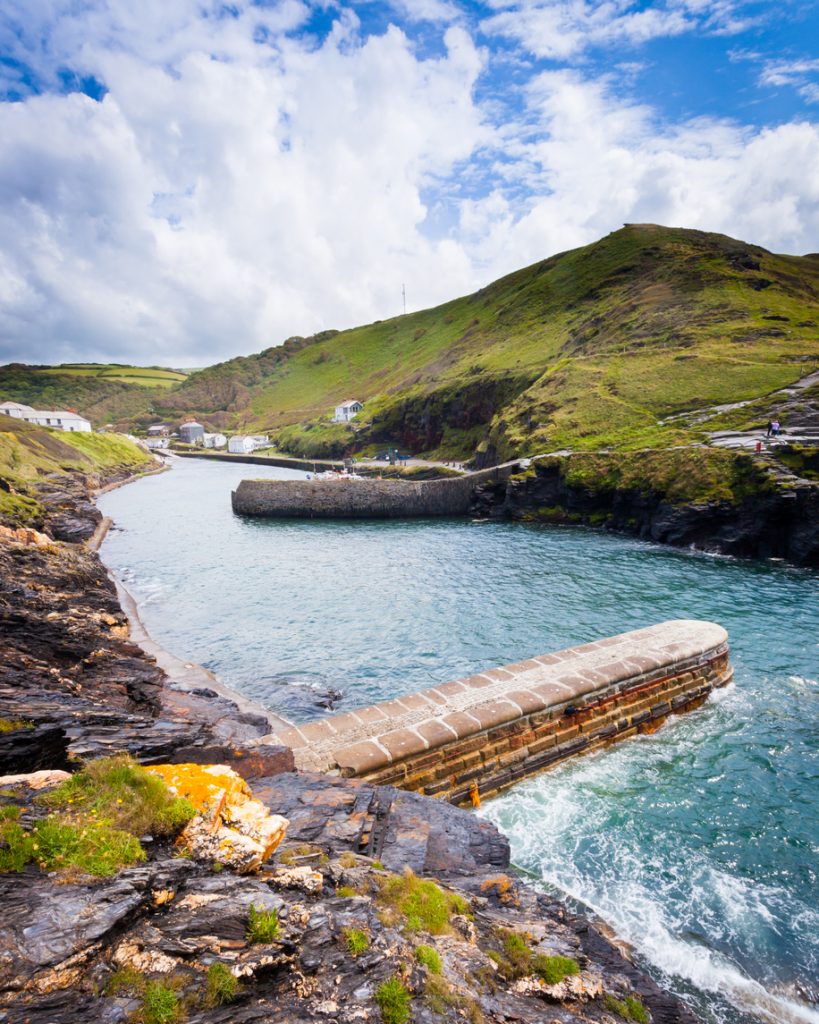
{"type": "Point", "coordinates": [561, 29]}
{"type": "Point", "coordinates": [599, 161]}
{"type": "Point", "coordinates": [242, 176]}
{"type": "Point", "coordinates": [211, 204]}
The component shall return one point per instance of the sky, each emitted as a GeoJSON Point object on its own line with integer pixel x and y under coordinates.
{"type": "Point", "coordinates": [183, 181]}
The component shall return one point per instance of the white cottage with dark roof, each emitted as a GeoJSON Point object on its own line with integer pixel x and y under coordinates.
{"type": "Point", "coordinates": [347, 411]}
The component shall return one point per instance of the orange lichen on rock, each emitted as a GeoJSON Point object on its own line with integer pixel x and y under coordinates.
{"type": "Point", "coordinates": [232, 827]}
{"type": "Point", "coordinates": [25, 535]}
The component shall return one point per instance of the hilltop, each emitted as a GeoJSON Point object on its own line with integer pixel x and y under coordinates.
{"type": "Point", "coordinates": [603, 346]}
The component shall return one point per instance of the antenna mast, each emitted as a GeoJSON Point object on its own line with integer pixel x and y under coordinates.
{"type": "Point", "coordinates": [404, 297]}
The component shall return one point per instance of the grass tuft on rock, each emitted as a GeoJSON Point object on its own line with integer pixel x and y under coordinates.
{"type": "Point", "coordinates": [428, 956]}
{"type": "Point", "coordinates": [629, 1008]}
{"type": "Point", "coordinates": [421, 904]}
{"type": "Point", "coordinates": [553, 969]}
{"type": "Point", "coordinates": [221, 987]}
{"type": "Point", "coordinates": [117, 790]}
{"type": "Point", "coordinates": [125, 981]}
{"type": "Point", "coordinates": [393, 1001]}
{"type": "Point", "coordinates": [262, 925]}
{"type": "Point", "coordinates": [96, 819]}
{"type": "Point", "coordinates": [13, 724]}
{"type": "Point", "coordinates": [160, 1004]}
{"type": "Point", "coordinates": [356, 941]}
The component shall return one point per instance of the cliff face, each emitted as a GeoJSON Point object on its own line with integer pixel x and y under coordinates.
{"type": "Point", "coordinates": [771, 522]}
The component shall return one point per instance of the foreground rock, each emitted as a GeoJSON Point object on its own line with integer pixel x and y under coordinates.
{"type": "Point", "coordinates": [318, 932]}
{"type": "Point", "coordinates": [232, 829]}
{"type": "Point", "coordinates": [330, 929]}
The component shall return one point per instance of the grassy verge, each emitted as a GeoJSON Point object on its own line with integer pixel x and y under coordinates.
{"type": "Point", "coordinates": [29, 453]}
{"type": "Point", "coordinates": [95, 822]}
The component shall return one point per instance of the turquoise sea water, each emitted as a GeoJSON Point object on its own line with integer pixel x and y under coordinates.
{"type": "Point", "coordinates": [698, 844]}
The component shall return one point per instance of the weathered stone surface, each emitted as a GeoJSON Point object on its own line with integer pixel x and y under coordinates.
{"type": "Point", "coordinates": [367, 499]}
{"type": "Point", "coordinates": [35, 780]}
{"type": "Point", "coordinates": [405, 729]}
{"type": "Point", "coordinates": [305, 971]}
{"type": "Point", "coordinates": [233, 828]}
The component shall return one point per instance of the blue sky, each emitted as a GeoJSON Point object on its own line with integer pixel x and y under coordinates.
{"type": "Point", "coordinates": [182, 182]}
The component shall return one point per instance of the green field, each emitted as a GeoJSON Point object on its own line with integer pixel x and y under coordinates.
{"type": "Point", "coordinates": [144, 376]}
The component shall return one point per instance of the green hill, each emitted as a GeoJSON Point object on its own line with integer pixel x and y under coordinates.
{"type": "Point", "coordinates": [598, 347]}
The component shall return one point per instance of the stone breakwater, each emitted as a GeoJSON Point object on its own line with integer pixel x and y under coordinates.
{"type": "Point", "coordinates": [494, 728]}
{"type": "Point", "coordinates": [361, 499]}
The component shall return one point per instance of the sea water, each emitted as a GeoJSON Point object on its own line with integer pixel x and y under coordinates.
{"type": "Point", "coordinates": [697, 844]}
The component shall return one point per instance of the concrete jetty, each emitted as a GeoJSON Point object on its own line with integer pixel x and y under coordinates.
{"type": "Point", "coordinates": [361, 498]}
{"type": "Point", "coordinates": [496, 727]}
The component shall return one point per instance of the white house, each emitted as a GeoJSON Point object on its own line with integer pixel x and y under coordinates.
{"type": "Point", "coordinates": [240, 445]}
{"type": "Point", "coordinates": [243, 444]}
{"type": "Point", "coordinates": [214, 440]}
{"type": "Point", "coordinates": [157, 442]}
{"type": "Point", "coordinates": [347, 411]}
{"type": "Point", "coordinates": [57, 419]}
{"type": "Point", "coordinates": [17, 411]}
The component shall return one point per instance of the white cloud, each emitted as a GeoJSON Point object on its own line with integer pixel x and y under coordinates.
{"type": "Point", "coordinates": [227, 193]}
{"type": "Point", "coordinates": [220, 205]}
{"type": "Point", "coordinates": [562, 29]}
{"type": "Point", "coordinates": [600, 162]}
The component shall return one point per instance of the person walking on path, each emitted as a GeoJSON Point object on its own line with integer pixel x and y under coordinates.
{"type": "Point", "coordinates": [769, 429]}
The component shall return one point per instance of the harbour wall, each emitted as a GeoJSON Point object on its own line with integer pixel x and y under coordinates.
{"type": "Point", "coordinates": [282, 461]}
{"type": "Point", "coordinates": [361, 499]}
{"type": "Point", "coordinates": [494, 728]}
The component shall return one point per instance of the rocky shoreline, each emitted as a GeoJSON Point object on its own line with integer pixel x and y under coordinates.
{"type": "Point", "coordinates": [79, 949]}
{"type": "Point", "coordinates": [777, 521]}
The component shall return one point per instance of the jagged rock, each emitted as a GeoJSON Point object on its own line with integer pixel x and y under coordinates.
{"type": "Point", "coordinates": [47, 924]}
{"type": "Point", "coordinates": [24, 535]}
{"type": "Point", "coordinates": [233, 828]}
{"type": "Point", "coordinates": [31, 750]}
{"type": "Point", "coordinates": [35, 780]}
{"type": "Point", "coordinates": [398, 828]}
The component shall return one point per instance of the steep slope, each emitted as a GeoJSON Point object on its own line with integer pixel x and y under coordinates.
{"type": "Point", "coordinates": [589, 348]}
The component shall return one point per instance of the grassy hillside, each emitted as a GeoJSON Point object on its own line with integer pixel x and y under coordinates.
{"type": "Point", "coordinates": [590, 348]}
{"type": "Point", "coordinates": [28, 454]}
{"type": "Point", "coordinates": [602, 346]}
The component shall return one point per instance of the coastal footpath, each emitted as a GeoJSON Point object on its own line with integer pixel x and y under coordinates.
{"type": "Point", "coordinates": [379, 905]}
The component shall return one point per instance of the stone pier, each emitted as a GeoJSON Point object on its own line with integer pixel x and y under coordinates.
{"type": "Point", "coordinates": [494, 728]}
{"type": "Point", "coordinates": [361, 499]}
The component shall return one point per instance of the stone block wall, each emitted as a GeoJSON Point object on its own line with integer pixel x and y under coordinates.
{"type": "Point", "coordinates": [360, 499]}
{"type": "Point", "coordinates": [503, 725]}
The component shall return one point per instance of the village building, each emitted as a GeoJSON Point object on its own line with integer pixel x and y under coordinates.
{"type": "Point", "coordinates": [57, 419]}
{"type": "Point", "coordinates": [191, 432]}
{"type": "Point", "coordinates": [240, 444]}
{"type": "Point", "coordinates": [214, 440]}
{"type": "Point", "coordinates": [159, 430]}
{"type": "Point", "coordinates": [244, 444]}
{"type": "Point", "coordinates": [347, 411]}
{"type": "Point", "coordinates": [155, 443]}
